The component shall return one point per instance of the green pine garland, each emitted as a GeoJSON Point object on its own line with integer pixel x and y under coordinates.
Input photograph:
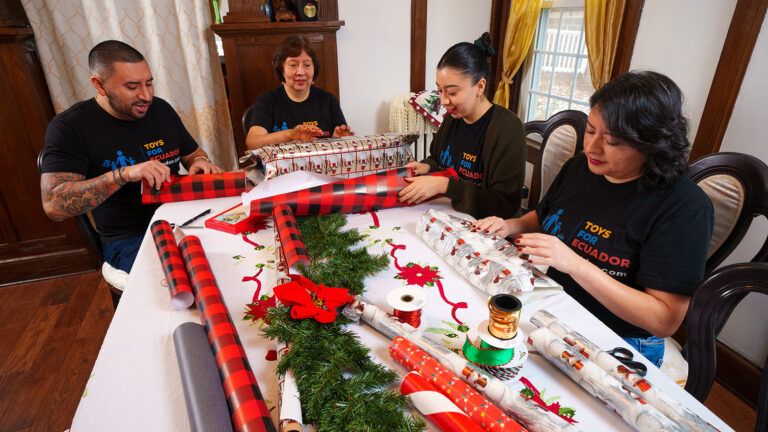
{"type": "Point", "coordinates": [341, 387]}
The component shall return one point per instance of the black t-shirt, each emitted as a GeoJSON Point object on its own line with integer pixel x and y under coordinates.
{"type": "Point", "coordinates": [463, 144]}
{"type": "Point", "coordinates": [89, 141]}
{"type": "Point", "coordinates": [641, 237]}
{"type": "Point", "coordinates": [275, 111]}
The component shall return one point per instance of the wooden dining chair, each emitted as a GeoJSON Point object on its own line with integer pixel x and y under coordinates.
{"type": "Point", "coordinates": [713, 302]}
{"type": "Point", "coordinates": [116, 278]}
{"type": "Point", "coordinates": [244, 119]}
{"type": "Point", "coordinates": [562, 136]}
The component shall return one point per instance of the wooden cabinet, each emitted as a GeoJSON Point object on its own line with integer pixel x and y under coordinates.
{"type": "Point", "coordinates": [31, 245]}
{"type": "Point", "coordinates": [248, 51]}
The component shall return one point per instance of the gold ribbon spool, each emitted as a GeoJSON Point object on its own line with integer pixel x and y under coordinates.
{"type": "Point", "coordinates": [504, 312]}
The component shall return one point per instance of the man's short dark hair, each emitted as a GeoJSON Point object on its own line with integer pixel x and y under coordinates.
{"type": "Point", "coordinates": [292, 46]}
{"type": "Point", "coordinates": [105, 54]}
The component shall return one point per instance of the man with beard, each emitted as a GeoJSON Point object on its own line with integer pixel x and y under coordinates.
{"type": "Point", "coordinates": [99, 150]}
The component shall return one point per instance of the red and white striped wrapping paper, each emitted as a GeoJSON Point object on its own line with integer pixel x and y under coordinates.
{"type": "Point", "coordinates": [435, 406]}
{"type": "Point", "coordinates": [477, 407]}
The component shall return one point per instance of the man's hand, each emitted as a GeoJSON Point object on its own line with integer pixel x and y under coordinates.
{"type": "Point", "coordinates": [418, 168]}
{"type": "Point", "coordinates": [155, 172]}
{"type": "Point", "coordinates": [203, 166]}
{"type": "Point", "coordinates": [342, 131]}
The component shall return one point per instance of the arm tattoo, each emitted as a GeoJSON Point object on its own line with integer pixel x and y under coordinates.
{"type": "Point", "coordinates": [67, 195]}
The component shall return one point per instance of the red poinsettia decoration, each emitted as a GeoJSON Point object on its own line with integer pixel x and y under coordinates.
{"type": "Point", "coordinates": [258, 309]}
{"type": "Point", "coordinates": [414, 274]}
{"type": "Point", "coordinates": [310, 300]}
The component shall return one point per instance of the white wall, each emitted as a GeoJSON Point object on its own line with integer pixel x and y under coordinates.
{"type": "Point", "coordinates": [374, 49]}
{"type": "Point", "coordinates": [683, 40]}
{"type": "Point", "coordinates": [747, 330]}
{"type": "Point", "coordinates": [450, 22]}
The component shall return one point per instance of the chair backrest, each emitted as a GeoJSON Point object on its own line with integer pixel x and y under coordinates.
{"type": "Point", "coordinates": [715, 298]}
{"type": "Point", "coordinates": [244, 120]}
{"type": "Point", "coordinates": [562, 136]}
{"type": "Point", "coordinates": [737, 185]}
{"type": "Point", "coordinates": [84, 222]}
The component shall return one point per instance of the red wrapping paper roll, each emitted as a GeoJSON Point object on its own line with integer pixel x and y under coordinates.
{"type": "Point", "coordinates": [172, 264]}
{"type": "Point", "coordinates": [194, 187]}
{"type": "Point", "coordinates": [477, 407]}
{"type": "Point", "coordinates": [290, 237]}
{"type": "Point", "coordinates": [246, 404]}
{"type": "Point", "coordinates": [435, 406]}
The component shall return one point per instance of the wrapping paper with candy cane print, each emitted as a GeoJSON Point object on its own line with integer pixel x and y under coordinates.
{"type": "Point", "coordinates": [634, 382]}
{"type": "Point", "coordinates": [489, 262]}
{"type": "Point", "coordinates": [477, 407]}
{"type": "Point", "coordinates": [246, 404]}
{"type": "Point", "coordinates": [435, 406]}
{"type": "Point", "coordinates": [509, 399]}
{"type": "Point", "coordinates": [344, 157]}
{"type": "Point", "coordinates": [632, 408]}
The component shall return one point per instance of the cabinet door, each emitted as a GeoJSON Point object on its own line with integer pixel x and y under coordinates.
{"type": "Point", "coordinates": [31, 245]}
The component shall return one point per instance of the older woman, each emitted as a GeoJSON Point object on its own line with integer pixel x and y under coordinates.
{"type": "Point", "coordinates": [622, 228]}
{"type": "Point", "coordinates": [296, 110]}
{"type": "Point", "coordinates": [483, 142]}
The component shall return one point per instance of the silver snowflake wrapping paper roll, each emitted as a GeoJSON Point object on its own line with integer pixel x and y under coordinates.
{"type": "Point", "coordinates": [634, 382]}
{"type": "Point", "coordinates": [507, 398]}
{"type": "Point", "coordinates": [632, 408]}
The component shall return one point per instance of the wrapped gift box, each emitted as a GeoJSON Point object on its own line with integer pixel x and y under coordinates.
{"type": "Point", "coordinates": [344, 157]}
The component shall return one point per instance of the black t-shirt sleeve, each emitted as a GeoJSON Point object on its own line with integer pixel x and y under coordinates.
{"type": "Point", "coordinates": [187, 144]}
{"type": "Point", "coordinates": [337, 116]}
{"type": "Point", "coordinates": [673, 257]}
{"type": "Point", "coordinates": [63, 150]}
{"type": "Point", "coordinates": [263, 112]}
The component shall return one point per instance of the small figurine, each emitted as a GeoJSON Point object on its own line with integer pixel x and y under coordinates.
{"type": "Point", "coordinates": [283, 10]}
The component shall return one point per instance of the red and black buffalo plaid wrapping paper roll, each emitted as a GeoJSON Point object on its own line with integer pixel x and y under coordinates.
{"type": "Point", "coordinates": [290, 236]}
{"type": "Point", "coordinates": [246, 404]}
{"type": "Point", "coordinates": [172, 265]}
{"type": "Point", "coordinates": [194, 187]}
{"type": "Point", "coordinates": [360, 194]}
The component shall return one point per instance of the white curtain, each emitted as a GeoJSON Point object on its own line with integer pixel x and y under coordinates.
{"type": "Point", "coordinates": [174, 36]}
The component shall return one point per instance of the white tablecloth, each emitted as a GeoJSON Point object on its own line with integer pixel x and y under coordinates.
{"type": "Point", "coordinates": [135, 382]}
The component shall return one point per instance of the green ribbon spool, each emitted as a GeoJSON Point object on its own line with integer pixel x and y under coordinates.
{"type": "Point", "coordinates": [487, 355]}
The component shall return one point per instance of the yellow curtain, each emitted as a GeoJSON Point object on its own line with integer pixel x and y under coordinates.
{"type": "Point", "coordinates": [602, 24]}
{"type": "Point", "coordinates": [521, 26]}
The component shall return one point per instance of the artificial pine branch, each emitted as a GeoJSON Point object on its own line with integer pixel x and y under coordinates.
{"type": "Point", "coordinates": [341, 387]}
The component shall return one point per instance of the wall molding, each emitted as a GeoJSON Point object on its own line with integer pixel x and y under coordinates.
{"type": "Point", "coordinates": [630, 23]}
{"type": "Point", "coordinates": [418, 44]}
{"type": "Point", "coordinates": [748, 16]}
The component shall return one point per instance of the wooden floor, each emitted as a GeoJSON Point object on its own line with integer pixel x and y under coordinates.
{"type": "Point", "coordinates": [50, 334]}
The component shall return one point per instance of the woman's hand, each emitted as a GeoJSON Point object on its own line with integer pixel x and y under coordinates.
{"type": "Point", "coordinates": [306, 133]}
{"type": "Point", "coordinates": [545, 249]}
{"type": "Point", "coordinates": [422, 188]}
{"type": "Point", "coordinates": [342, 131]}
{"type": "Point", "coordinates": [418, 168]}
{"type": "Point", "coordinates": [494, 225]}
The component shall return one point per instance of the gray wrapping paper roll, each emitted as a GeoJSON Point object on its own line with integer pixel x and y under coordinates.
{"type": "Point", "coordinates": [206, 404]}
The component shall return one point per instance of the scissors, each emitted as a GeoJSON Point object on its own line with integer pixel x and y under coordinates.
{"type": "Point", "coordinates": [626, 358]}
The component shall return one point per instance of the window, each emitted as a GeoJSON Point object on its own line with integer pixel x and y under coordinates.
{"type": "Point", "coordinates": [558, 78]}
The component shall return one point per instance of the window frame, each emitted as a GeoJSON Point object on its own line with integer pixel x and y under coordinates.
{"type": "Point", "coordinates": [528, 64]}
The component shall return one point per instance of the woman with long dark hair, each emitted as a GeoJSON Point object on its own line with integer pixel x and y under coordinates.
{"type": "Point", "coordinates": [483, 142]}
{"type": "Point", "coordinates": [622, 228]}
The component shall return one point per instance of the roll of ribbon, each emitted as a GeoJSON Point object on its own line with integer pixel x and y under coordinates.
{"type": "Point", "coordinates": [501, 358]}
{"type": "Point", "coordinates": [477, 407]}
{"type": "Point", "coordinates": [290, 237]}
{"type": "Point", "coordinates": [435, 406]}
{"type": "Point", "coordinates": [247, 407]}
{"type": "Point", "coordinates": [194, 187]}
{"type": "Point", "coordinates": [407, 304]}
{"type": "Point", "coordinates": [172, 265]}
{"type": "Point", "coordinates": [206, 404]}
